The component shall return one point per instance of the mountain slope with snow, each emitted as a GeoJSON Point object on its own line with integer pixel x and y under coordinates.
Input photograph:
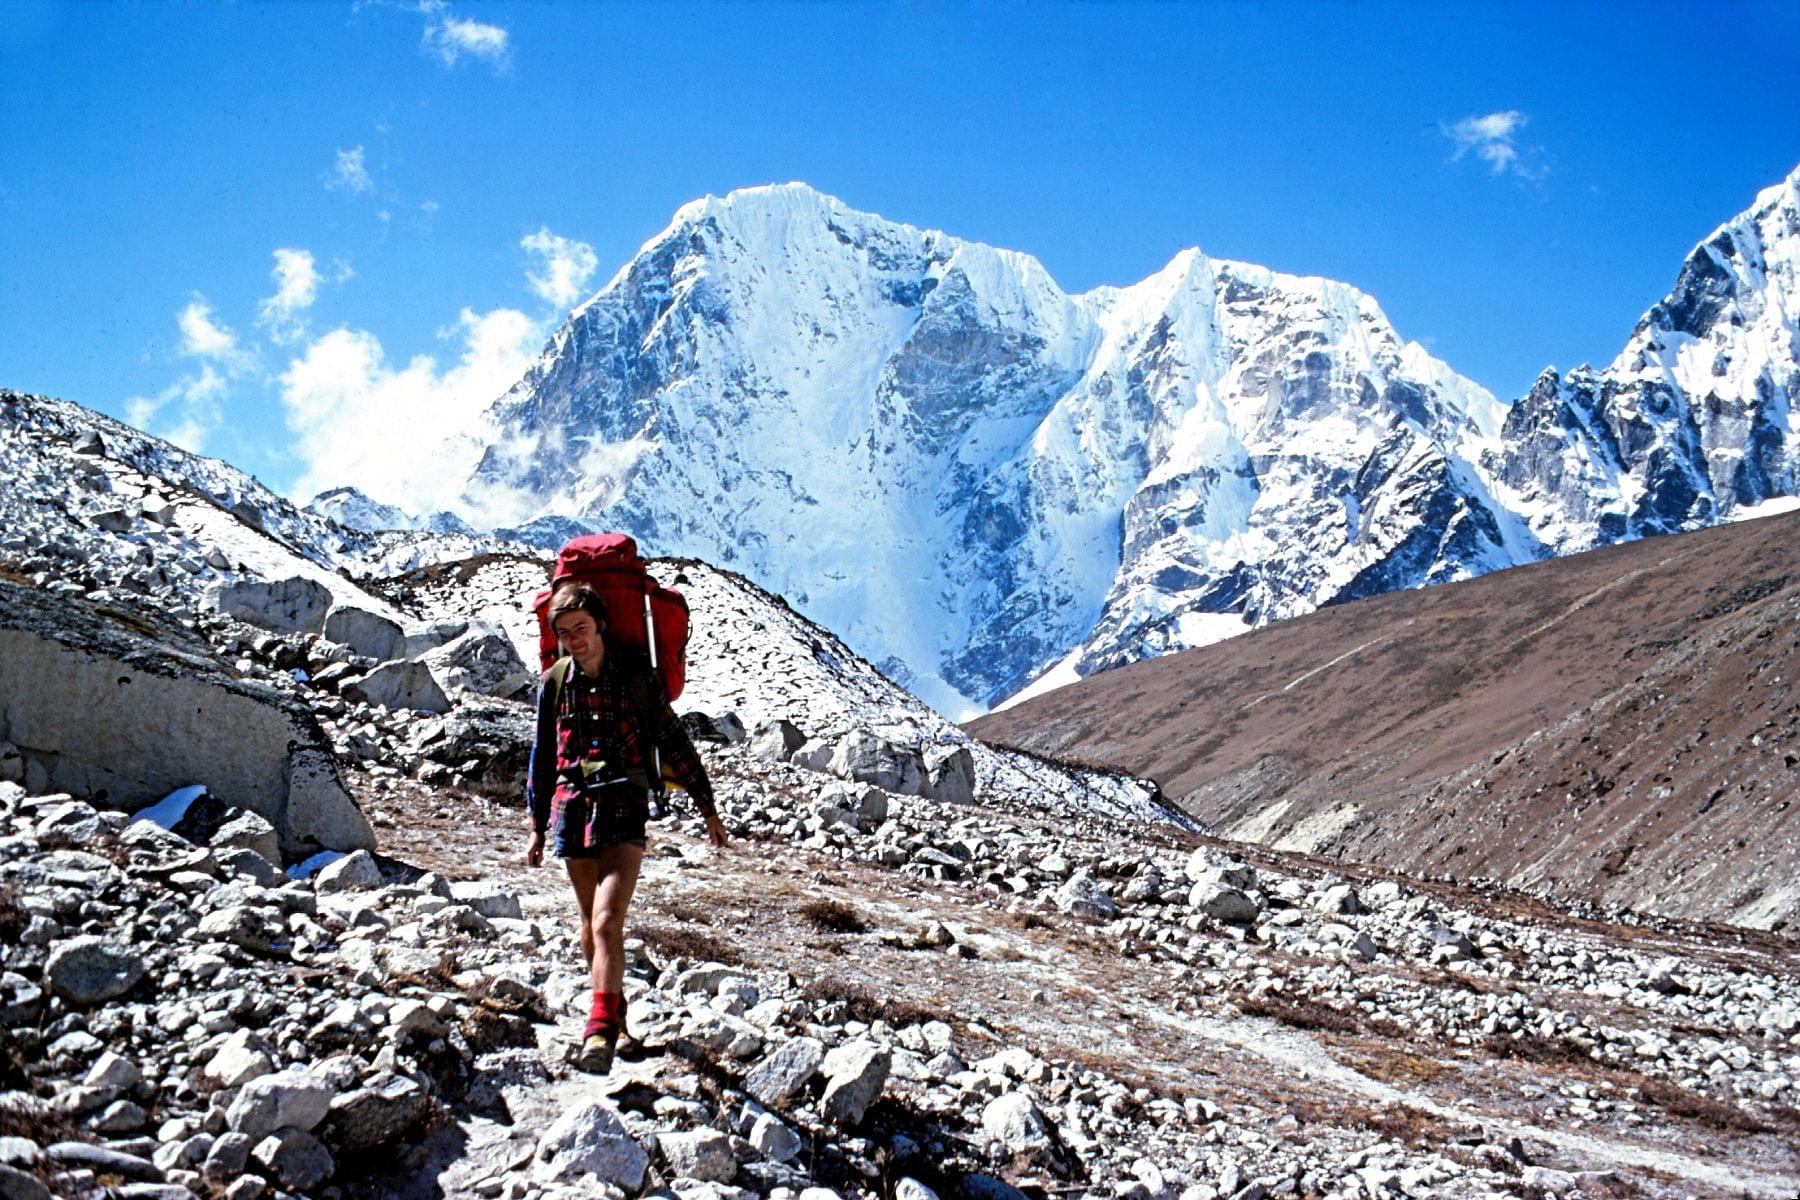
{"type": "Point", "coordinates": [971, 475]}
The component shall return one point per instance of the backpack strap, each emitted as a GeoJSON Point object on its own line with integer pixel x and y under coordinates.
{"type": "Point", "coordinates": [543, 765]}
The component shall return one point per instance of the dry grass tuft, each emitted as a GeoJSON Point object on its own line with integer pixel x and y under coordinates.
{"type": "Point", "coordinates": [1677, 1101]}
{"type": "Point", "coordinates": [1394, 1122]}
{"type": "Point", "coordinates": [861, 1004]}
{"type": "Point", "coordinates": [1535, 1048]}
{"type": "Point", "coordinates": [830, 916]}
{"type": "Point", "coordinates": [669, 941]}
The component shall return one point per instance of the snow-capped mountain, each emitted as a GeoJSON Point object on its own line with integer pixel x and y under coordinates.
{"type": "Point", "coordinates": [350, 507]}
{"type": "Point", "coordinates": [971, 475]}
{"type": "Point", "coordinates": [1694, 419]}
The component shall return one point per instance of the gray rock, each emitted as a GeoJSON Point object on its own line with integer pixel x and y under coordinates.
{"type": "Point", "coordinates": [294, 1097]}
{"type": "Point", "coordinates": [244, 1055]}
{"type": "Point", "coordinates": [141, 709]}
{"type": "Point", "coordinates": [814, 754]}
{"type": "Point", "coordinates": [482, 660]}
{"type": "Point", "coordinates": [950, 775]}
{"type": "Point", "coordinates": [353, 871]}
{"type": "Point", "coordinates": [294, 1158]}
{"type": "Point", "coordinates": [17, 1185]}
{"type": "Point", "coordinates": [250, 926]}
{"type": "Point", "coordinates": [776, 740]}
{"type": "Point", "coordinates": [700, 1154]}
{"type": "Point", "coordinates": [911, 1189]}
{"type": "Point", "coordinates": [489, 898]}
{"type": "Point", "coordinates": [86, 970]}
{"type": "Point", "coordinates": [103, 1160]}
{"type": "Point", "coordinates": [369, 634]}
{"type": "Point", "coordinates": [866, 758]}
{"type": "Point", "coordinates": [591, 1139]}
{"type": "Point", "coordinates": [1016, 1123]}
{"type": "Point", "coordinates": [855, 1073]}
{"type": "Point", "coordinates": [387, 1109]}
{"type": "Point", "coordinates": [774, 1139]}
{"type": "Point", "coordinates": [785, 1071]}
{"type": "Point", "coordinates": [229, 1155]}
{"type": "Point", "coordinates": [1080, 896]}
{"type": "Point", "coordinates": [114, 1073]}
{"type": "Point", "coordinates": [399, 685]}
{"type": "Point", "coordinates": [421, 639]}
{"type": "Point", "coordinates": [250, 831]}
{"type": "Point", "coordinates": [249, 863]}
{"type": "Point", "coordinates": [320, 815]}
{"type": "Point", "coordinates": [1223, 903]}
{"type": "Point", "coordinates": [294, 605]}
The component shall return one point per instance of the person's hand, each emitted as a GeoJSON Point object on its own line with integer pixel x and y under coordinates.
{"type": "Point", "coordinates": [715, 830]}
{"type": "Point", "coordinates": [534, 850]}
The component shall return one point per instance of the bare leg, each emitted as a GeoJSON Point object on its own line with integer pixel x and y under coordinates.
{"type": "Point", "coordinates": [603, 890]}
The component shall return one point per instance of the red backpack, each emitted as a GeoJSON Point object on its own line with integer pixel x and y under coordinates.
{"type": "Point", "coordinates": [641, 614]}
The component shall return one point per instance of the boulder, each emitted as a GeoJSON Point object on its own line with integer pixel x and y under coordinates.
{"type": "Point", "coordinates": [244, 1055]}
{"type": "Point", "coordinates": [496, 737]}
{"type": "Point", "coordinates": [294, 1098]}
{"type": "Point", "coordinates": [358, 870]}
{"type": "Point", "coordinates": [855, 1073]}
{"type": "Point", "coordinates": [369, 634]}
{"type": "Point", "coordinates": [387, 1108]}
{"type": "Point", "coordinates": [399, 685]}
{"type": "Point", "coordinates": [1014, 1121]}
{"type": "Point", "coordinates": [950, 775]}
{"type": "Point", "coordinates": [484, 660]}
{"type": "Point", "coordinates": [785, 1071]}
{"type": "Point", "coordinates": [1080, 896]}
{"type": "Point", "coordinates": [250, 831]}
{"type": "Point", "coordinates": [776, 740]}
{"type": "Point", "coordinates": [129, 708]}
{"type": "Point", "coordinates": [866, 758]}
{"type": "Point", "coordinates": [703, 1154]}
{"type": "Point", "coordinates": [1224, 904]}
{"type": "Point", "coordinates": [488, 898]}
{"type": "Point", "coordinates": [293, 605]}
{"type": "Point", "coordinates": [294, 1159]}
{"type": "Point", "coordinates": [86, 970]}
{"type": "Point", "coordinates": [591, 1139]}
{"type": "Point", "coordinates": [424, 638]}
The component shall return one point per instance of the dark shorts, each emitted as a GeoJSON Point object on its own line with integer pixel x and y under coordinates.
{"type": "Point", "coordinates": [588, 826]}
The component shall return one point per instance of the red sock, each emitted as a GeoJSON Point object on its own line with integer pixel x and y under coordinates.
{"type": "Point", "coordinates": [607, 1014]}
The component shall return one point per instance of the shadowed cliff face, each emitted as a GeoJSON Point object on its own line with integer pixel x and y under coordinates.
{"type": "Point", "coordinates": [1618, 725]}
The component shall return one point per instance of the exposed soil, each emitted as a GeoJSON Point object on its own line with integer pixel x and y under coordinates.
{"type": "Point", "coordinates": [1619, 725]}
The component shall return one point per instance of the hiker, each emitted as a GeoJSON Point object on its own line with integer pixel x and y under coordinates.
{"type": "Point", "coordinates": [604, 729]}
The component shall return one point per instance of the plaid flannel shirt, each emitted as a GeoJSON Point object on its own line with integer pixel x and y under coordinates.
{"type": "Point", "coordinates": [597, 716]}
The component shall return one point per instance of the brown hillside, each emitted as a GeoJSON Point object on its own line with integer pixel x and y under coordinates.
{"type": "Point", "coordinates": [1619, 725]}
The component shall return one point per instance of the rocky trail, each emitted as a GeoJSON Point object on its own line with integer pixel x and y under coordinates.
{"type": "Point", "coordinates": [926, 967]}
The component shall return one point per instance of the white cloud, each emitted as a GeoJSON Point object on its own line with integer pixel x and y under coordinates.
{"type": "Point", "coordinates": [186, 412]}
{"type": "Point", "coordinates": [351, 173]}
{"type": "Point", "coordinates": [1492, 138]}
{"type": "Point", "coordinates": [564, 266]}
{"type": "Point", "coordinates": [450, 38]}
{"type": "Point", "coordinates": [202, 337]}
{"type": "Point", "coordinates": [406, 435]}
{"type": "Point", "coordinates": [296, 276]}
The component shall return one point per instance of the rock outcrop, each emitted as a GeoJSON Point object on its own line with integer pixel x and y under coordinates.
{"type": "Point", "coordinates": [124, 708]}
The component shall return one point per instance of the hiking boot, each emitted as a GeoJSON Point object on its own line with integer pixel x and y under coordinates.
{"type": "Point", "coordinates": [596, 1053]}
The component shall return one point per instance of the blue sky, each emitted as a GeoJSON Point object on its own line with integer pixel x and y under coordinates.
{"type": "Point", "coordinates": [254, 226]}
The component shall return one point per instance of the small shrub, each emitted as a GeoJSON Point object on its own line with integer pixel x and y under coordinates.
{"type": "Point", "coordinates": [1677, 1101]}
{"type": "Point", "coordinates": [1535, 1048]}
{"type": "Point", "coordinates": [669, 941]}
{"type": "Point", "coordinates": [829, 916]}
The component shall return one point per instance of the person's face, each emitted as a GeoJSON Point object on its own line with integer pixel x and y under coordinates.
{"type": "Point", "coordinates": [578, 633]}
